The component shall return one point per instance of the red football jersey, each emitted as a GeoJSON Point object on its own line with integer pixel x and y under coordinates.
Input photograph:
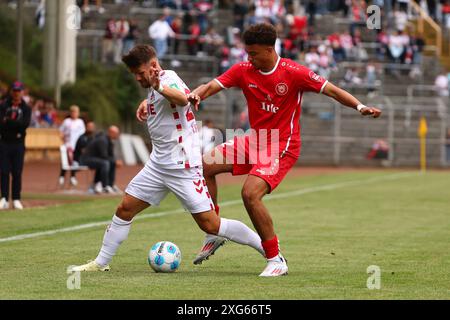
{"type": "Point", "coordinates": [274, 98]}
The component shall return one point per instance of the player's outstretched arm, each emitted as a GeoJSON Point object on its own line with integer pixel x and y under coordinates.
{"type": "Point", "coordinates": [202, 92]}
{"type": "Point", "coordinates": [349, 100]}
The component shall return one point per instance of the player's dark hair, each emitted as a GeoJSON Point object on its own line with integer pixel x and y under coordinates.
{"type": "Point", "coordinates": [262, 33]}
{"type": "Point", "coordinates": [139, 55]}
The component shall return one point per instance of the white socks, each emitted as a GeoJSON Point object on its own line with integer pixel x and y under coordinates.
{"type": "Point", "coordinates": [238, 232]}
{"type": "Point", "coordinates": [118, 231]}
{"type": "Point", "coordinates": [115, 234]}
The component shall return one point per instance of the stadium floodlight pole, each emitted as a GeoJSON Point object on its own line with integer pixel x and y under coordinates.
{"type": "Point", "coordinates": [57, 93]}
{"type": "Point", "coordinates": [19, 37]}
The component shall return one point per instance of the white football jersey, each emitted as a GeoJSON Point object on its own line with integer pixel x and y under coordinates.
{"type": "Point", "coordinates": [172, 128]}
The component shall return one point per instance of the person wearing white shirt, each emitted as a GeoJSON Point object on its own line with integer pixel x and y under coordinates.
{"type": "Point", "coordinates": [159, 32]}
{"type": "Point", "coordinates": [442, 85]}
{"type": "Point", "coordinates": [71, 129]}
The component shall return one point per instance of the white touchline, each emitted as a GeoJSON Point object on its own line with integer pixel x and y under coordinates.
{"type": "Point", "coordinates": [222, 204]}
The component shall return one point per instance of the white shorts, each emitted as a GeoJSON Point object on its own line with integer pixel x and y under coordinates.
{"type": "Point", "coordinates": [152, 184]}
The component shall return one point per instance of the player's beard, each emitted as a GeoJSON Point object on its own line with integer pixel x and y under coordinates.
{"type": "Point", "coordinates": [144, 84]}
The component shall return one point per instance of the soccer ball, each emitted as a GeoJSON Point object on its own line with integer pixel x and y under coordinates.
{"type": "Point", "coordinates": [164, 256]}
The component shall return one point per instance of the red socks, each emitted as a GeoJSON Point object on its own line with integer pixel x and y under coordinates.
{"type": "Point", "coordinates": [271, 247]}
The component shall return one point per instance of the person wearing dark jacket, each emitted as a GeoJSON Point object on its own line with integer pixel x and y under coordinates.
{"type": "Point", "coordinates": [15, 117]}
{"type": "Point", "coordinates": [99, 155]}
{"type": "Point", "coordinates": [83, 141]}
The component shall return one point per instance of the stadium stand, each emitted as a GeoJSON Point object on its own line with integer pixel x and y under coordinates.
{"type": "Point", "coordinates": [404, 87]}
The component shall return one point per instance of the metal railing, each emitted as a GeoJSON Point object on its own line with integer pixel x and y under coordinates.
{"type": "Point", "coordinates": [414, 9]}
{"type": "Point", "coordinates": [340, 137]}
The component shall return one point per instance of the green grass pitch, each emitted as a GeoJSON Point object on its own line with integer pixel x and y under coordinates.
{"type": "Point", "coordinates": [331, 228]}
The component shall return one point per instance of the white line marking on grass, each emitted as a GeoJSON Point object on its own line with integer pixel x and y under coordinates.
{"type": "Point", "coordinates": [223, 204]}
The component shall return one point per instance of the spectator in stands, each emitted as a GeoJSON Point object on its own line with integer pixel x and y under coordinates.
{"type": "Point", "coordinates": [446, 14]}
{"type": "Point", "coordinates": [71, 129]}
{"type": "Point", "coordinates": [325, 61]}
{"type": "Point", "coordinates": [352, 77]}
{"type": "Point", "coordinates": [250, 18]}
{"type": "Point", "coordinates": [400, 19]}
{"type": "Point", "coordinates": [167, 4]}
{"type": "Point", "coordinates": [416, 44]}
{"type": "Point", "coordinates": [130, 39]}
{"type": "Point", "coordinates": [311, 10]}
{"type": "Point", "coordinates": [431, 6]}
{"type": "Point", "coordinates": [382, 41]}
{"type": "Point", "coordinates": [211, 42]}
{"type": "Point", "coordinates": [397, 45]}
{"type": "Point", "coordinates": [240, 9]}
{"type": "Point", "coordinates": [99, 155]}
{"type": "Point", "coordinates": [35, 113]}
{"type": "Point", "coordinates": [108, 38]}
{"type": "Point", "coordinates": [122, 29]}
{"type": "Point", "coordinates": [177, 27]}
{"type": "Point", "coordinates": [441, 84]}
{"type": "Point", "coordinates": [403, 5]}
{"type": "Point", "coordinates": [379, 150]}
{"type": "Point", "coordinates": [358, 15]}
{"type": "Point", "coordinates": [15, 116]}
{"type": "Point", "coordinates": [160, 31]}
{"type": "Point", "coordinates": [237, 52]}
{"type": "Point", "coordinates": [312, 59]}
{"type": "Point", "coordinates": [334, 42]}
{"type": "Point", "coordinates": [225, 62]}
{"type": "Point", "coordinates": [203, 7]}
{"type": "Point", "coordinates": [371, 78]}
{"type": "Point", "coordinates": [47, 115]}
{"type": "Point", "coordinates": [98, 4]}
{"type": "Point", "coordinates": [346, 42]}
{"type": "Point", "coordinates": [193, 30]}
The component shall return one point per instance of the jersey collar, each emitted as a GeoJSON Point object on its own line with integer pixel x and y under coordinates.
{"type": "Point", "coordinates": [274, 68]}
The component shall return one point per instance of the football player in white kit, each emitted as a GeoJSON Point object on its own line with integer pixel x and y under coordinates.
{"type": "Point", "coordinates": [175, 164]}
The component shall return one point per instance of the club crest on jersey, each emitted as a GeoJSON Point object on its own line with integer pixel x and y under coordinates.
{"type": "Point", "coordinates": [281, 89]}
{"type": "Point", "coordinates": [314, 76]}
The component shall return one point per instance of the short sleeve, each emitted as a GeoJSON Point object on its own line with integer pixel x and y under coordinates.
{"type": "Point", "coordinates": [231, 77]}
{"type": "Point", "coordinates": [63, 126]}
{"type": "Point", "coordinates": [309, 81]}
{"type": "Point", "coordinates": [172, 80]}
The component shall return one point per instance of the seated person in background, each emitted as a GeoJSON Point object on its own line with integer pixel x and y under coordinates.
{"type": "Point", "coordinates": [47, 117]}
{"type": "Point", "coordinates": [99, 155]}
{"type": "Point", "coordinates": [380, 150]}
{"type": "Point", "coordinates": [83, 141]}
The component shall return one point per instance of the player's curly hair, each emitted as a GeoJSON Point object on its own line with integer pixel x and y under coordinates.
{"type": "Point", "coordinates": [262, 33]}
{"type": "Point", "coordinates": [139, 55]}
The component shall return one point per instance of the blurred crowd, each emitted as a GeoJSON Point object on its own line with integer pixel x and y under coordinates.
{"type": "Point", "coordinates": [43, 110]}
{"type": "Point", "coordinates": [185, 27]}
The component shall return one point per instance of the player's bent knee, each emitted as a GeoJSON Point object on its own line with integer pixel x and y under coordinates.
{"type": "Point", "coordinates": [124, 211]}
{"type": "Point", "coordinates": [249, 196]}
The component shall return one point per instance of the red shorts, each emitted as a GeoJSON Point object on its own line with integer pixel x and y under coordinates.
{"type": "Point", "coordinates": [247, 158]}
